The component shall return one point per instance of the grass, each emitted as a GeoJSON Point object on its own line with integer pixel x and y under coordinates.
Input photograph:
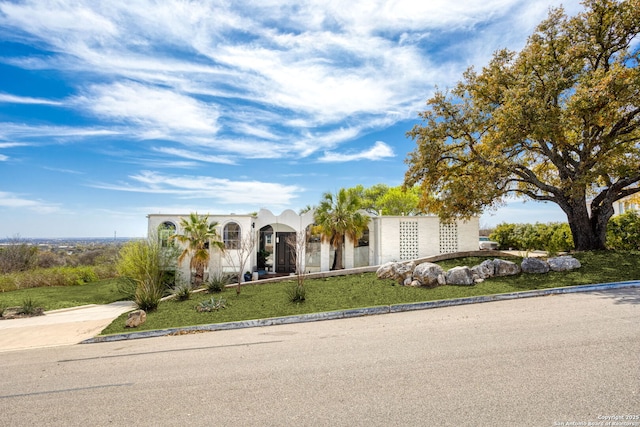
{"type": "Point", "coordinates": [365, 290]}
{"type": "Point", "coordinates": [56, 297]}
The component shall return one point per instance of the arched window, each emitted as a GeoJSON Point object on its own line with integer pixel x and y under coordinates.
{"type": "Point", "coordinates": [231, 236]}
{"type": "Point", "coordinates": [166, 230]}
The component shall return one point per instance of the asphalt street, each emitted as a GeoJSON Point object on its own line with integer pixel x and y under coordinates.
{"type": "Point", "coordinates": [545, 361]}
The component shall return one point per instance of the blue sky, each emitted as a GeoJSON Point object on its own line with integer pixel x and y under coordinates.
{"type": "Point", "coordinates": [113, 110]}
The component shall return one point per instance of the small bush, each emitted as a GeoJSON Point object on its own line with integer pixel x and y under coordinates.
{"type": "Point", "coordinates": [8, 283]}
{"type": "Point", "coordinates": [553, 237]}
{"type": "Point", "coordinates": [211, 305]}
{"type": "Point", "coordinates": [148, 296]}
{"type": "Point", "coordinates": [217, 282]}
{"type": "Point", "coordinates": [297, 293]}
{"type": "Point", "coordinates": [17, 256]}
{"type": "Point", "coordinates": [29, 307]}
{"type": "Point", "coordinates": [623, 231]}
{"type": "Point", "coordinates": [144, 263]}
{"type": "Point", "coordinates": [182, 291]}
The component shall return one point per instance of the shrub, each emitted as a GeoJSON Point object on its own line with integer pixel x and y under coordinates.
{"type": "Point", "coordinates": [144, 262]}
{"type": "Point", "coordinates": [505, 236]}
{"type": "Point", "coordinates": [182, 291]}
{"type": "Point", "coordinates": [17, 256]}
{"type": "Point", "coordinates": [552, 237]}
{"type": "Point", "coordinates": [29, 307]}
{"type": "Point", "coordinates": [297, 293]}
{"type": "Point", "coordinates": [217, 282]}
{"type": "Point", "coordinates": [623, 231]}
{"type": "Point", "coordinates": [56, 276]}
{"type": "Point", "coordinates": [8, 283]}
{"type": "Point", "coordinates": [148, 296]}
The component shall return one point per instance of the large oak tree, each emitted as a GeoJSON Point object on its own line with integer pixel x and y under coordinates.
{"type": "Point", "coordinates": [557, 122]}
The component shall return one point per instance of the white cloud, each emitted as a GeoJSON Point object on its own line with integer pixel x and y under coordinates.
{"type": "Point", "coordinates": [379, 151]}
{"type": "Point", "coordinates": [12, 144]}
{"type": "Point", "coordinates": [220, 190]}
{"type": "Point", "coordinates": [3, 158]}
{"type": "Point", "coordinates": [13, 99]}
{"type": "Point", "coordinates": [157, 112]}
{"type": "Point", "coordinates": [13, 201]}
{"type": "Point", "coordinates": [19, 131]}
{"type": "Point", "coordinates": [192, 155]}
{"type": "Point", "coordinates": [259, 79]}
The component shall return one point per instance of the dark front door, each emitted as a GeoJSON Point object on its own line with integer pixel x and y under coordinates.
{"type": "Point", "coordinates": [285, 257]}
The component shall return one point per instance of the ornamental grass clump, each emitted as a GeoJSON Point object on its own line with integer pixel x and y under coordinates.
{"type": "Point", "coordinates": [217, 282]}
{"type": "Point", "coordinates": [30, 307]}
{"type": "Point", "coordinates": [297, 293]}
{"type": "Point", "coordinates": [143, 264]}
{"type": "Point", "coordinates": [182, 291]}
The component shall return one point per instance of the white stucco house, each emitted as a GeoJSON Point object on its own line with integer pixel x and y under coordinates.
{"type": "Point", "coordinates": [624, 205]}
{"type": "Point", "coordinates": [388, 238]}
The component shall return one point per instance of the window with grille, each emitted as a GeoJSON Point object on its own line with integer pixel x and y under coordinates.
{"type": "Point", "coordinates": [231, 236]}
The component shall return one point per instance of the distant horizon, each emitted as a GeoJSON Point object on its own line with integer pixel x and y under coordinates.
{"type": "Point", "coordinates": [528, 212]}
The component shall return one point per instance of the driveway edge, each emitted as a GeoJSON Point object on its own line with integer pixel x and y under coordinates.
{"type": "Point", "coordinates": [360, 312]}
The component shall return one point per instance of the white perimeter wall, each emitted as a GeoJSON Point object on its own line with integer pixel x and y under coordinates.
{"type": "Point", "coordinates": [422, 237]}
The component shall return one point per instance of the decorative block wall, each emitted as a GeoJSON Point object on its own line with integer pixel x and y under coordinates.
{"type": "Point", "coordinates": [409, 240]}
{"type": "Point", "coordinates": [448, 238]}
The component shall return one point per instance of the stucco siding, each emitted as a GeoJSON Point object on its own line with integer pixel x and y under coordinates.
{"type": "Point", "coordinates": [391, 238]}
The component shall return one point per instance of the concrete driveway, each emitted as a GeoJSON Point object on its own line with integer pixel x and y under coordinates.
{"type": "Point", "coordinates": [59, 327]}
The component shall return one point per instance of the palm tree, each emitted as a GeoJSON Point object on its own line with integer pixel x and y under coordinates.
{"type": "Point", "coordinates": [337, 216]}
{"type": "Point", "coordinates": [198, 235]}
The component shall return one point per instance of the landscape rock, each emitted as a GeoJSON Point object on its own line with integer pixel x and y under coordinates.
{"type": "Point", "coordinates": [386, 271]}
{"type": "Point", "coordinates": [505, 268]}
{"type": "Point", "coordinates": [563, 263]}
{"type": "Point", "coordinates": [484, 270]}
{"type": "Point", "coordinates": [534, 265]}
{"type": "Point", "coordinates": [136, 318]}
{"type": "Point", "coordinates": [399, 271]}
{"type": "Point", "coordinates": [461, 276]}
{"type": "Point", "coordinates": [429, 274]}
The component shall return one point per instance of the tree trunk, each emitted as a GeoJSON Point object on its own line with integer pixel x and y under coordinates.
{"type": "Point", "coordinates": [198, 277]}
{"type": "Point", "coordinates": [337, 257]}
{"type": "Point", "coordinates": [589, 231]}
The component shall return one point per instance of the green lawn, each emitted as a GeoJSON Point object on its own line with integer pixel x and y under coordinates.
{"type": "Point", "coordinates": [365, 290]}
{"type": "Point", "coordinates": [55, 297]}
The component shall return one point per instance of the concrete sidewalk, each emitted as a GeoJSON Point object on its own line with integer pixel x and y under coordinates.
{"type": "Point", "coordinates": [59, 327]}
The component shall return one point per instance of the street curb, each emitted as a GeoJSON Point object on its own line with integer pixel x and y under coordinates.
{"type": "Point", "coordinates": [360, 312]}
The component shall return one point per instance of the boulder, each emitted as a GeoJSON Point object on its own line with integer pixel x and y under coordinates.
{"type": "Point", "coordinates": [483, 271]}
{"type": "Point", "coordinates": [505, 268]}
{"type": "Point", "coordinates": [460, 276]}
{"type": "Point", "coordinates": [563, 263]}
{"type": "Point", "coordinates": [386, 271]}
{"type": "Point", "coordinates": [534, 265]}
{"type": "Point", "coordinates": [429, 274]}
{"type": "Point", "coordinates": [136, 318]}
{"type": "Point", "coordinates": [399, 271]}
